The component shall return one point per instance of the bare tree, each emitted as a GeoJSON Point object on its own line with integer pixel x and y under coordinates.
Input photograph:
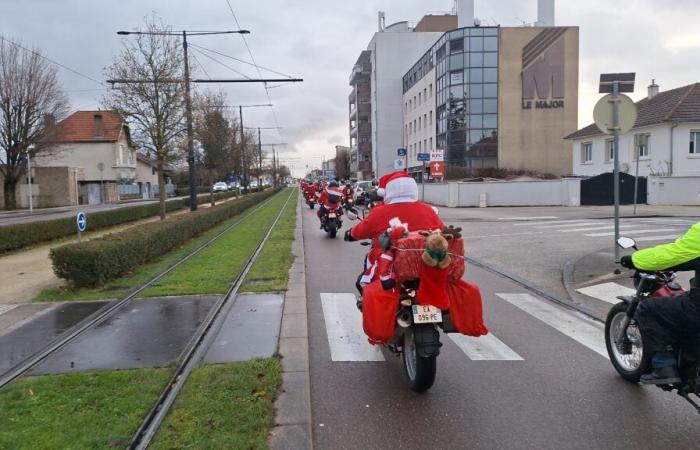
{"type": "Point", "coordinates": [31, 99]}
{"type": "Point", "coordinates": [214, 132]}
{"type": "Point", "coordinates": [155, 106]}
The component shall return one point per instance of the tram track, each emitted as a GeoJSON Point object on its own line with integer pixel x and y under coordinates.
{"type": "Point", "coordinates": [110, 309]}
{"type": "Point", "coordinates": [198, 346]}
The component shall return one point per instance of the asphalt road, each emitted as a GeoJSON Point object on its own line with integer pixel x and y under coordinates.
{"type": "Point", "coordinates": [546, 385]}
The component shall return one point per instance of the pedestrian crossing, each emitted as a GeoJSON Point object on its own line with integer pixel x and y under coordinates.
{"type": "Point", "coordinates": [7, 308]}
{"type": "Point", "coordinates": [656, 230]}
{"type": "Point", "coordinates": [347, 341]}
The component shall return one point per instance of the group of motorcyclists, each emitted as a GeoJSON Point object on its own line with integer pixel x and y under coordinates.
{"type": "Point", "coordinates": [663, 321]}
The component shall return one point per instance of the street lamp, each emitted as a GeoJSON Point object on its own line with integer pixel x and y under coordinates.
{"type": "Point", "coordinates": [188, 97]}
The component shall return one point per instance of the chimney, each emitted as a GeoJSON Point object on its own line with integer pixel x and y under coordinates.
{"type": "Point", "coordinates": [381, 21]}
{"type": "Point", "coordinates": [99, 129]}
{"type": "Point", "coordinates": [652, 90]}
{"type": "Point", "coordinates": [545, 13]}
{"type": "Point", "coordinates": [465, 13]}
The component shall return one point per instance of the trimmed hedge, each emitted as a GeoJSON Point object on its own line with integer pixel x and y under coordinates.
{"type": "Point", "coordinates": [13, 237]}
{"type": "Point", "coordinates": [91, 263]}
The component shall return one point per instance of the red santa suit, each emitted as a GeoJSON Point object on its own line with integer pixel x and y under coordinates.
{"type": "Point", "coordinates": [329, 194]}
{"type": "Point", "coordinates": [400, 194]}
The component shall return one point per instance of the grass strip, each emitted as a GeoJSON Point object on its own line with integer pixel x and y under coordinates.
{"type": "Point", "coordinates": [270, 272]}
{"type": "Point", "coordinates": [212, 270]}
{"type": "Point", "coordinates": [120, 288]}
{"type": "Point", "coordinates": [90, 410]}
{"type": "Point", "coordinates": [223, 406]}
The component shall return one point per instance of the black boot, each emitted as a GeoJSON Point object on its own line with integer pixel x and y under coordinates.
{"type": "Point", "coordinates": [663, 375]}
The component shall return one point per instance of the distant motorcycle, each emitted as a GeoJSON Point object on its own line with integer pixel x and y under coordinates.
{"type": "Point", "coordinates": [311, 200]}
{"type": "Point", "coordinates": [625, 343]}
{"type": "Point", "coordinates": [332, 222]}
{"type": "Point", "coordinates": [349, 203]}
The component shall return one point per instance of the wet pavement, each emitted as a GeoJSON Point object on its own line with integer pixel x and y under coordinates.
{"type": "Point", "coordinates": [32, 336]}
{"type": "Point", "coordinates": [145, 333]}
{"type": "Point", "coordinates": [251, 329]}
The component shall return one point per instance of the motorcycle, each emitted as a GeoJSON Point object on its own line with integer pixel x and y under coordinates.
{"type": "Point", "coordinates": [332, 222]}
{"type": "Point", "coordinates": [349, 203]}
{"type": "Point", "coordinates": [625, 343]}
{"type": "Point", "coordinates": [311, 200]}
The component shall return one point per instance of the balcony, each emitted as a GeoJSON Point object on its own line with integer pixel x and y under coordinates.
{"type": "Point", "coordinates": [358, 74]}
{"type": "Point", "coordinates": [353, 111]}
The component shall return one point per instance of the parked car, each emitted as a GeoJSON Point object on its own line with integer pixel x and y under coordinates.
{"type": "Point", "coordinates": [232, 186]}
{"type": "Point", "coordinates": [360, 188]}
{"type": "Point", "coordinates": [220, 187]}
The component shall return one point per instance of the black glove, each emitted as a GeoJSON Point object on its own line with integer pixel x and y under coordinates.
{"type": "Point", "coordinates": [626, 261]}
{"type": "Point", "coordinates": [348, 236]}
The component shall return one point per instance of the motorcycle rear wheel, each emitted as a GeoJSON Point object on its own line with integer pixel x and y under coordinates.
{"type": "Point", "coordinates": [420, 371]}
{"type": "Point", "coordinates": [311, 206]}
{"type": "Point", "coordinates": [332, 232]}
{"type": "Point", "coordinates": [630, 367]}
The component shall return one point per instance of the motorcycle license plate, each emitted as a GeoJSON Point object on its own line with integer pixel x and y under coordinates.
{"type": "Point", "coordinates": [426, 314]}
{"type": "Point", "coordinates": [331, 215]}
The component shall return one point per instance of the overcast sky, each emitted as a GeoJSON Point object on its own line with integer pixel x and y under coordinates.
{"type": "Point", "coordinates": [319, 40]}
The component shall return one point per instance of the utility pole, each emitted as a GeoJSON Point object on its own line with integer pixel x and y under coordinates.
{"type": "Point", "coordinates": [190, 132]}
{"type": "Point", "coordinates": [244, 170]}
{"type": "Point", "coordinates": [259, 160]}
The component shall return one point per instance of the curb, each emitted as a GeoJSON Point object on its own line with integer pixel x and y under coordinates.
{"type": "Point", "coordinates": [292, 428]}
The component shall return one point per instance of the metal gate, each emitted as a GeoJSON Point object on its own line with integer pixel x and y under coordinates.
{"type": "Point", "coordinates": [598, 190]}
{"type": "Point", "coordinates": [94, 193]}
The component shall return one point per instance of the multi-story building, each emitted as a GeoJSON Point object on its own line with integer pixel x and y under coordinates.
{"type": "Point", "coordinates": [377, 76]}
{"type": "Point", "coordinates": [496, 97]}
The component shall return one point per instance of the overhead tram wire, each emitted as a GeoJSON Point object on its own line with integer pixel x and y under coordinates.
{"type": "Point", "coordinates": [87, 77]}
{"type": "Point", "coordinates": [200, 65]}
{"type": "Point", "coordinates": [219, 62]}
{"type": "Point", "coordinates": [242, 61]}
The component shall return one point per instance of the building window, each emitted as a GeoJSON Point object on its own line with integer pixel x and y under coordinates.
{"type": "Point", "coordinates": [425, 145]}
{"type": "Point", "coordinates": [586, 152]}
{"type": "Point", "coordinates": [430, 89]}
{"type": "Point", "coordinates": [457, 45]}
{"type": "Point", "coordinates": [641, 145]}
{"type": "Point", "coordinates": [431, 143]}
{"type": "Point", "coordinates": [609, 150]}
{"type": "Point", "coordinates": [419, 147]}
{"type": "Point", "coordinates": [425, 94]}
{"type": "Point", "coordinates": [695, 142]}
{"type": "Point", "coordinates": [410, 104]}
{"type": "Point", "coordinates": [419, 123]}
{"type": "Point", "coordinates": [420, 94]}
{"type": "Point", "coordinates": [431, 118]}
{"type": "Point", "coordinates": [415, 103]}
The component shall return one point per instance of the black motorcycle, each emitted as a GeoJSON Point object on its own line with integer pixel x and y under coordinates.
{"type": "Point", "coordinates": [625, 343]}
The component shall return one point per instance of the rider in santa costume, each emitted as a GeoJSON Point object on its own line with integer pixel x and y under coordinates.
{"type": "Point", "coordinates": [400, 193]}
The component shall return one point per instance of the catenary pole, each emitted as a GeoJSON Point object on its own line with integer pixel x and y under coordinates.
{"type": "Point", "coordinates": [616, 168]}
{"type": "Point", "coordinates": [190, 131]}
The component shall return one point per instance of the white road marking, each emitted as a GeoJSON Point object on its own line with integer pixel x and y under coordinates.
{"type": "Point", "coordinates": [549, 222]}
{"type": "Point", "coordinates": [506, 235]}
{"type": "Point", "coordinates": [484, 348]}
{"type": "Point", "coordinates": [566, 225]}
{"type": "Point", "coordinates": [6, 308]}
{"type": "Point", "coordinates": [606, 227]}
{"type": "Point", "coordinates": [583, 330]}
{"type": "Point", "coordinates": [606, 292]}
{"type": "Point", "coordinates": [632, 233]}
{"type": "Point", "coordinates": [528, 218]}
{"type": "Point", "coordinates": [346, 338]}
{"type": "Point", "coordinates": [668, 237]}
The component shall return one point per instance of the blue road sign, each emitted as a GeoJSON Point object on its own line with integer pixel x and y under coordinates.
{"type": "Point", "coordinates": [81, 220]}
{"type": "Point", "coordinates": [401, 151]}
{"type": "Point", "coordinates": [423, 156]}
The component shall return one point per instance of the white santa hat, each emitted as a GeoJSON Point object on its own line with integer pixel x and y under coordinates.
{"type": "Point", "coordinates": [398, 187]}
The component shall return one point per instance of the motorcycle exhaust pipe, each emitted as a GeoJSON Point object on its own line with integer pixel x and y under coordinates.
{"type": "Point", "coordinates": [404, 318]}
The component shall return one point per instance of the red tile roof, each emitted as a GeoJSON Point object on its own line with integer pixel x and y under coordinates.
{"type": "Point", "coordinates": [80, 127]}
{"type": "Point", "coordinates": [677, 105]}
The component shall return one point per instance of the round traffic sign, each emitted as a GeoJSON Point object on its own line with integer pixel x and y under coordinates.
{"type": "Point", "coordinates": [81, 220]}
{"type": "Point", "coordinates": [603, 114]}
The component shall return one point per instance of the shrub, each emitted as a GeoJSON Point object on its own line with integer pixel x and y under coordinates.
{"type": "Point", "coordinates": [94, 262]}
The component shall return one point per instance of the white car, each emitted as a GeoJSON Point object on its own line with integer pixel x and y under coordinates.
{"type": "Point", "coordinates": [220, 187]}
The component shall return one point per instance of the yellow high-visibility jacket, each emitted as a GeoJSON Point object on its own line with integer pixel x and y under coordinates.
{"type": "Point", "coordinates": [686, 248]}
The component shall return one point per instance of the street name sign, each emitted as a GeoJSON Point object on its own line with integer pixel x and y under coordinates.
{"type": "Point", "coordinates": [423, 156]}
{"type": "Point", "coordinates": [401, 152]}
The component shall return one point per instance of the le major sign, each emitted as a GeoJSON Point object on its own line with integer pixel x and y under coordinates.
{"type": "Point", "coordinates": [543, 75]}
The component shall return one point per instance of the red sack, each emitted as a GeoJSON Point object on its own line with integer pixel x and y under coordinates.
{"type": "Point", "coordinates": [432, 289]}
{"type": "Point", "coordinates": [408, 262]}
{"type": "Point", "coordinates": [379, 312]}
{"type": "Point", "coordinates": [466, 310]}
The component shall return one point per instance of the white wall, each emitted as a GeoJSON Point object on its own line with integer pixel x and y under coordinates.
{"type": "Point", "coordinates": [673, 191]}
{"type": "Point", "coordinates": [563, 192]}
{"type": "Point", "coordinates": [426, 108]}
{"type": "Point", "coordinates": [393, 54]}
{"type": "Point", "coordinates": [684, 164]}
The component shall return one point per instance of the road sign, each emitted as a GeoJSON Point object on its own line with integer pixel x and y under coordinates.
{"type": "Point", "coordinates": [401, 152]}
{"type": "Point", "coordinates": [603, 113]}
{"type": "Point", "coordinates": [437, 169]}
{"type": "Point", "coordinates": [81, 220]}
{"type": "Point", "coordinates": [423, 156]}
{"type": "Point", "coordinates": [437, 155]}
{"type": "Point", "coordinates": [399, 164]}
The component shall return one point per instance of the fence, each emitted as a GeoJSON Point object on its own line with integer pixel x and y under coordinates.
{"type": "Point", "coordinates": [563, 192]}
{"type": "Point", "coordinates": [673, 191]}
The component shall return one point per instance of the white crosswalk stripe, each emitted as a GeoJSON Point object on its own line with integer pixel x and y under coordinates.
{"type": "Point", "coordinates": [527, 218]}
{"type": "Point", "coordinates": [668, 237]}
{"type": "Point", "coordinates": [484, 348]}
{"type": "Point", "coordinates": [595, 228]}
{"type": "Point", "coordinates": [6, 308]}
{"type": "Point", "coordinates": [579, 328]}
{"type": "Point", "coordinates": [567, 225]}
{"type": "Point", "coordinates": [346, 338]}
{"type": "Point", "coordinates": [632, 233]}
{"type": "Point", "coordinates": [606, 292]}
{"type": "Point", "coordinates": [550, 222]}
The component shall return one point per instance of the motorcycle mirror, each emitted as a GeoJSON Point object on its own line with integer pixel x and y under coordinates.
{"type": "Point", "coordinates": [365, 243]}
{"type": "Point", "coordinates": [352, 214]}
{"type": "Point", "coordinates": [626, 242]}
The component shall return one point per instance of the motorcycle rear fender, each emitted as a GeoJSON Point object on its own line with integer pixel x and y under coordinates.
{"type": "Point", "coordinates": [427, 340]}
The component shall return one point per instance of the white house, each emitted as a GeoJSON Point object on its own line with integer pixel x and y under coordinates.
{"type": "Point", "coordinates": [664, 142]}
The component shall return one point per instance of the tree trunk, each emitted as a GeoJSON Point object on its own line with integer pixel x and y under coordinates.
{"type": "Point", "coordinates": [10, 186]}
{"type": "Point", "coordinates": [162, 195]}
{"type": "Point", "coordinates": [211, 189]}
